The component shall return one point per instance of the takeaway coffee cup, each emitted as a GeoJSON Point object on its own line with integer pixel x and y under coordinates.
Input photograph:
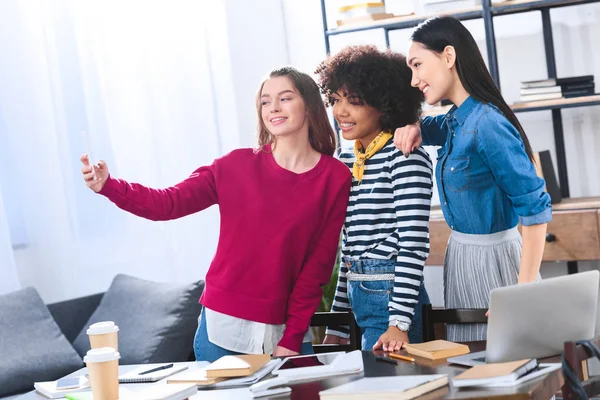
{"type": "Point", "coordinates": [104, 334]}
{"type": "Point", "coordinates": [103, 369]}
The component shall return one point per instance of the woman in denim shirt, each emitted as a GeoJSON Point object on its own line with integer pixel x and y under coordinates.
{"type": "Point", "coordinates": [486, 177]}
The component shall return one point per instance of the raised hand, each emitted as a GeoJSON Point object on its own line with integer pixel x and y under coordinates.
{"type": "Point", "coordinates": [95, 176]}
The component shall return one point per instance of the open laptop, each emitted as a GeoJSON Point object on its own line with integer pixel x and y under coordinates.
{"type": "Point", "coordinates": [533, 320]}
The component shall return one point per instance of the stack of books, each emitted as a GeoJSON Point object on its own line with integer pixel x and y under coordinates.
{"type": "Point", "coordinates": [442, 6]}
{"type": "Point", "coordinates": [361, 13]}
{"type": "Point", "coordinates": [557, 88]}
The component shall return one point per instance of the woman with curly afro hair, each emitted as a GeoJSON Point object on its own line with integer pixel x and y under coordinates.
{"type": "Point", "coordinates": [386, 231]}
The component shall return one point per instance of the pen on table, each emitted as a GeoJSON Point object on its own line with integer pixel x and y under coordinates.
{"type": "Point", "coordinates": [399, 357]}
{"type": "Point", "coordinates": [386, 359]}
{"type": "Point", "coordinates": [156, 369]}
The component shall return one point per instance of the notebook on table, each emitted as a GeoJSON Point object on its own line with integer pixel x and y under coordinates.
{"type": "Point", "coordinates": [154, 392]}
{"type": "Point", "coordinates": [405, 387]}
{"type": "Point", "coordinates": [135, 376]}
{"type": "Point", "coordinates": [49, 389]}
{"type": "Point", "coordinates": [498, 374]}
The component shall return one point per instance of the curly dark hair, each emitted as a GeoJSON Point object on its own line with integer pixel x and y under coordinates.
{"type": "Point", "coordinates": [380, 79]}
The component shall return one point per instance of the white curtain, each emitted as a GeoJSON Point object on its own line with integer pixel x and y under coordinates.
{"type": "Point", "coordinates": [134, 75]}
{"type": "Point", "coordinates": [8, 272]}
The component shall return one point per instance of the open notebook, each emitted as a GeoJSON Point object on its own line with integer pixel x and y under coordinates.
{"type": "Point", "coordinates": [135, 377]}
{"type": "Point", "coordinates": [388, 387]}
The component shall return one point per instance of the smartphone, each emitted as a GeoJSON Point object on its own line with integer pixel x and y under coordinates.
{"type": "Point", "coordinates": [67, 383]}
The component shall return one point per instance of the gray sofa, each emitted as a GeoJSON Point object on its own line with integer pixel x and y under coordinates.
{"type": "Point", "coordinates": [38, 342]}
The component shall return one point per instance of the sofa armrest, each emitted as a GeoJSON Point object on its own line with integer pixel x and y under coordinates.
{"type": "Point", "coordinates": [72, 315]}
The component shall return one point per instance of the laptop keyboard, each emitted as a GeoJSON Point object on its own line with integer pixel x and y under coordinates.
{"type": "Point", "coordinates": [479, 359]}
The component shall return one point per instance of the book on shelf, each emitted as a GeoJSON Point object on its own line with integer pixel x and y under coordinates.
{"type": "Point", "coordinates": [437, 349]}
{"type": "Point", "coordinates": [540, 97]}
{"type": "Point", "coordinates": [578, 86]}
{"type": "Point", "coordinates": [495, 374]}
{"type": "Point", "coordinates": [541, 90]}
{"type": "Point", "coordinates": [365, 19]}
{"type": "Point", "coordinates": [444, 6]}
{"type": "Point", "coordinates": [361, 9]}
{"type": "Point", "coordinates": [572, 80]}
{"type": "Point", "coordinates": [387, 387]}
{"type": "Point", "coordinates": [578, 89]}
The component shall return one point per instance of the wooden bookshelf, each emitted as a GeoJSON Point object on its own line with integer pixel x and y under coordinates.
{"type": "Point", "coordinates": [573, 243]}
{"type": "Point", "coordinates": [409, 21]}
{"type": "Point", "coordinates": [557, 103]}
{"type": "Point", "coordinates": [405, 21]}
{"type": "Point", "coordinates": [519, 6]}
{"type": "Point", "coordinates": [541, 105]}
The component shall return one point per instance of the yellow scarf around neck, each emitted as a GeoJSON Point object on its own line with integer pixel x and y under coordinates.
{"type": "Point", "coordinates": [362, 155]}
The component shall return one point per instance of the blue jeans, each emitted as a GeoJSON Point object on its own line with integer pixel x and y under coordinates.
{"type": "Point", "coordinates": [369, 302]}
{"type": "Point", "coordinates": [207, 351]}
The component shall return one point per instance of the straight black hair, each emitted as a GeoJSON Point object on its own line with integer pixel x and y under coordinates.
{"type": "Point", "coordinates": [438, 32]}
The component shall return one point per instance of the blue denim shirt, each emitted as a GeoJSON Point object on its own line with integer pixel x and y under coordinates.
{"type": "Point", "coordinates": [485, 180]}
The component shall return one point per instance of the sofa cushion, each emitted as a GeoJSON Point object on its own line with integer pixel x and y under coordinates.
{"type": "Point", "coordinates": [157, 321]}
{"type": "Point", "coordinates": [32, 346]}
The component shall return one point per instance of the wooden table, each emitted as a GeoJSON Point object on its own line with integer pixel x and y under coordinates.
{"type": "Point", "coordinates": [542, 388]}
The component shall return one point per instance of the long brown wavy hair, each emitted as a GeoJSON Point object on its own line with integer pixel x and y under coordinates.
{"type": "Point", "coordinates": [320, 133]}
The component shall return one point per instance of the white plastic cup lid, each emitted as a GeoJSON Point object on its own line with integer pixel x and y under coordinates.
{"type": "Point", "coordinates": [101, 328]}
{"type": "Point", "coordinates": [103, 354]}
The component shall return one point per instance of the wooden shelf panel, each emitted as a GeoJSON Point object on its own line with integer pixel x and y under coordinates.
{"type": "Point", "coordinates": [403, 22]}
{"type": "Point", "coordinates": [410, 21]}
{"type": "Point", "coordinates": [519, 6]}
{"type": "Point", "coordinates": [582, 101]}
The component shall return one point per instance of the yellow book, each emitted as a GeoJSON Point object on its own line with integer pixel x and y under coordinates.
{"type": "Point", "coordinates": [497, 373]}
{"type": "Point", "coordinates": [437, 349]}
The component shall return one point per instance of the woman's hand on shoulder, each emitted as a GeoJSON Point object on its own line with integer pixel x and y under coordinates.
{"type": "Point", "coordinates": [408, 138]}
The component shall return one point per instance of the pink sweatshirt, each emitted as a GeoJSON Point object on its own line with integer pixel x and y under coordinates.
{"type": "Point", "coordinates": [279, 232]}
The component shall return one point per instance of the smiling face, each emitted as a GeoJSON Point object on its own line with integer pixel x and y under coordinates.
{"type": "Point", "coordinates": [283, 110]}
{"type": "Point", "coordinates": [432, 73]}
{"type": "Point", "coordinates": [357, 120]}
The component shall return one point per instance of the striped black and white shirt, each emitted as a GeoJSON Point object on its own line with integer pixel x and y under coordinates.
{"type": "Point", "coordinates": [388, 218]}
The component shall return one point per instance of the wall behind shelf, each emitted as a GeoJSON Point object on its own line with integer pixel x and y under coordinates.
{"type": "Point", "coordinates": [520, 49]}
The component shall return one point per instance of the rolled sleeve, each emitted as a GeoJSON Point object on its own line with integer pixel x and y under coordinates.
{"type": "Point", "coordinates": [540, 218]}
{"type": "Point", "coordinates": [432, 131]}
{"type": "Point", "coordinates": [502, 148]}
